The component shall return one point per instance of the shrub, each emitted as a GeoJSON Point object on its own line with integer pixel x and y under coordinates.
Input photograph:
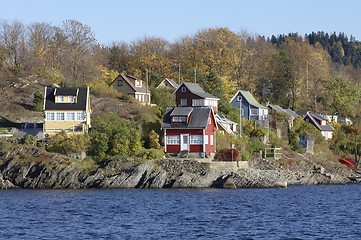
{"type": "Point", "coordinates": [227, 154]}
{"type": "Point", "coordinates": [29, 139]}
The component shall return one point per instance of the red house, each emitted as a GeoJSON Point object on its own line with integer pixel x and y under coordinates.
{"type": "Point", "coordinates": [190, 130]}
{"type": "Point", "coordinates": [192, 95]}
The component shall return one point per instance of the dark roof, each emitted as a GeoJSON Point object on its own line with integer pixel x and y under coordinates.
{"type": "Point", "coordinates": [198, 118]}
{"type": "Point", "coordinates": [197, 90]}
{"type": "Point", "coordinates": [181, 111]}
{"type": "Point", "coordinates": [81, 103]}
{"type": "Point", "coordinates": [314, 117]}
{"type": "Point", "coordinates": [131, 82]}
{"type": "Point", "coordinates": [66, 92]}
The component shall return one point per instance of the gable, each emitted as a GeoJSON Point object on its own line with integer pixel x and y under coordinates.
{"type": "Point", "coordinates": [248, 97]}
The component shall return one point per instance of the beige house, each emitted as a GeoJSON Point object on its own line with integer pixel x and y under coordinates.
{"type": "Point", "coordinates": [66, 109]}
{"type": "Point", "coordinates": [132, 86]}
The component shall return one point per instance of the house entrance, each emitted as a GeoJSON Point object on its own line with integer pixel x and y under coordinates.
{"type": "Point", "coordinates": [184, 142]}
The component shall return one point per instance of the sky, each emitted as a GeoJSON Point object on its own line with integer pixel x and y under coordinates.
{"type": "Point", "coordinates": [131, 20]}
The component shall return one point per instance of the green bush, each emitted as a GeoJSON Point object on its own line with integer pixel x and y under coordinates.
{"type": "Point", "coordinates": [29, 139]}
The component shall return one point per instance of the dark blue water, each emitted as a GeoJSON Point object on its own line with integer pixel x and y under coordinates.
{"type": "Point", "coordinates": [303, 212]}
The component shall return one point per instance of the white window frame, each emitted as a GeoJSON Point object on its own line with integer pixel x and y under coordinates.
{"type": "Point", "coordinates": [138, 83]}
{"type": "Point", "coordinates": [61, 99]}
{"type": "Point", "coordinates": [205, 139]}
{"type": "Point", "coordinates": [50, 116]}
{"type": "Point", "coordinates": [60, 116]}
{"type": "Point", "coordinates": [70, 116]}
{"type": "Point", "coordinates": [183, 89]}
{"type": "Point", "coordinates": [79, 116]}
{"type": "Point", "coordinates": [196, 139]}
{"type": "Point", "coordinates": [181, 119]}
{"type": "Point", "coordinates": [173, 140]}
{"type": "Point", "coordinates": [211, 140]}
{"type": "Point", "coordinates": [252, 112]}
{"type": "Point", "coordinates": [239, 98]}
{"type": "Point", "coordinates": [198, 102]}
{"type": "Point", "coordinates": [71, 99]}
{"type": "Point", "coordinates": [183, 102]}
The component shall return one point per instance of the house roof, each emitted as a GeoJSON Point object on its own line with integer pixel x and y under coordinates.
{"type": "Point", "coordinates": [181, 111]}
{"type": "Point", "coordinates": [66, 91]}
{"type": "Point", "coordinates": [130, 80]}
{"type": "Point", "coordinates": [80, 104]}
{"type": "Point", "coordinates": [249, 98]}
{"type": "Point", "coordinates": [197, 90]}
{"type": "Point", "coordinates": [314, 117]}
{"type": "Point", "coordinates": [277, 108]}
{"type": "Point", "coordinates": [223, 122]}
{"type": "Point", "coordinates": [170, 81]}
{"type": "Point", "coordinates": [198, 118]}
{"type": "Point", "coordinates": [291, 113]}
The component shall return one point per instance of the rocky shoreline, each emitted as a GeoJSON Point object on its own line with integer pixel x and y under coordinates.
{"type": "Point", "coordinates": [33, 168]}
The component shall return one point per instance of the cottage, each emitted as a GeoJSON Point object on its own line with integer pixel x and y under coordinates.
{"type": "Point", "coordinates": [66, 109]}
{"type": "Point", "coordinates": [192, 95]}
{"type": "Point", "coordinates": [288, 113]}
{"type": "Point", "coordinates": [190, 130]}
{"type": "Point", "coordinates": [225, 125]}
{"type": "Point", "coordinates": [168, 83]}
{"type": "Point", "coordinates": [132, 86]}
{"type": "Point", "coordinates": [250, 108]}
{"type": "Point", "coordinates": [320, 123]}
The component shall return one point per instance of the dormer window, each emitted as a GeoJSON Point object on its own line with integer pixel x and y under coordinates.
{"type": "Point", "coordinates": [71, 99]}
{"type": "Point", "coordinates": [61, 99]}
{"type": "Point", "coordinates": [138, 83]}
{"type": "Point", "coordinates": [179, 119]}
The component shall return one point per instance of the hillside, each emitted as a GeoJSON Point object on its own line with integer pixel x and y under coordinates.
{"type": "Point", "coordinates": [17, 96]}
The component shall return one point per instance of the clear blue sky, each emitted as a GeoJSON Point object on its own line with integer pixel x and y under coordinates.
{"type": "Point", "coordinates": [127, 21]}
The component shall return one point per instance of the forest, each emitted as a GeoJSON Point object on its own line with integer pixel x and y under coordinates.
{"type": "Point", "coordinates": [319, 71]}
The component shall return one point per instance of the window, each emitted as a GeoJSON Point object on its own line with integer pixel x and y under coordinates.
{"type": "Point", "coordinates": [254, 112]}
{"type": "Point", "coordinates": [120, 82]}
{"type": "Point", "coordinates": [183, 102]}
{"type": "Point", "coordinates": [206, 139]}
{"type": "Point", "coordinates": [60, 98]}
{"type": "Point", "coordinates": [71, 99]}
{"type": "Point", "coordinates": [138, 83]}
{"type": "Point", "coordinates": [184, 89]}
{"type": "Point", "coordinates": [60, 116]}
{"type": "Point", "coordinates": [196, 139]}
{"type": "Point", "coordinates": [174, 139]}
{"type": "Point", "coordinates": [50, 116]}
{"type": "Point", "coordinates": [80, 116]}
{"type": "Point", "coordinates": [239, 98]}
{"type": "Point", "coordinates": [197, 102]}
{"type": "Point", "coordinates": [179, 119]}
{"type": "Point", "coordinates": [211, 139]}
{"type": "Point", "coordinates": [70, 116]}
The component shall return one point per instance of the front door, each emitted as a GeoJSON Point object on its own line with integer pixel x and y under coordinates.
{"type": "Point", "coordinates": [184, 142]}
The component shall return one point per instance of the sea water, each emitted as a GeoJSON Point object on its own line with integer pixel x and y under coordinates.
{"type": "Point", "coordinates": [297, 212]}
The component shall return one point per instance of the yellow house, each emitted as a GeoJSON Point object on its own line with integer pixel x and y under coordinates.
{"type": "Point", "coordinates": [66, 109]}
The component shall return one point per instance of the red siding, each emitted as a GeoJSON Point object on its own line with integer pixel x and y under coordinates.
{"type": "Point", "coordinates": [209, 131]}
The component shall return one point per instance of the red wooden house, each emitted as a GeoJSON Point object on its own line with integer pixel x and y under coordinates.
{"type": "Point", "coordinates": [192, 95]}
{"type": "Point", "coordinates": [190, 130]}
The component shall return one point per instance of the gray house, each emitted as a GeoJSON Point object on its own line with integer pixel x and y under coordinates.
{"type": "Point", "coordinates": [250, 108]}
